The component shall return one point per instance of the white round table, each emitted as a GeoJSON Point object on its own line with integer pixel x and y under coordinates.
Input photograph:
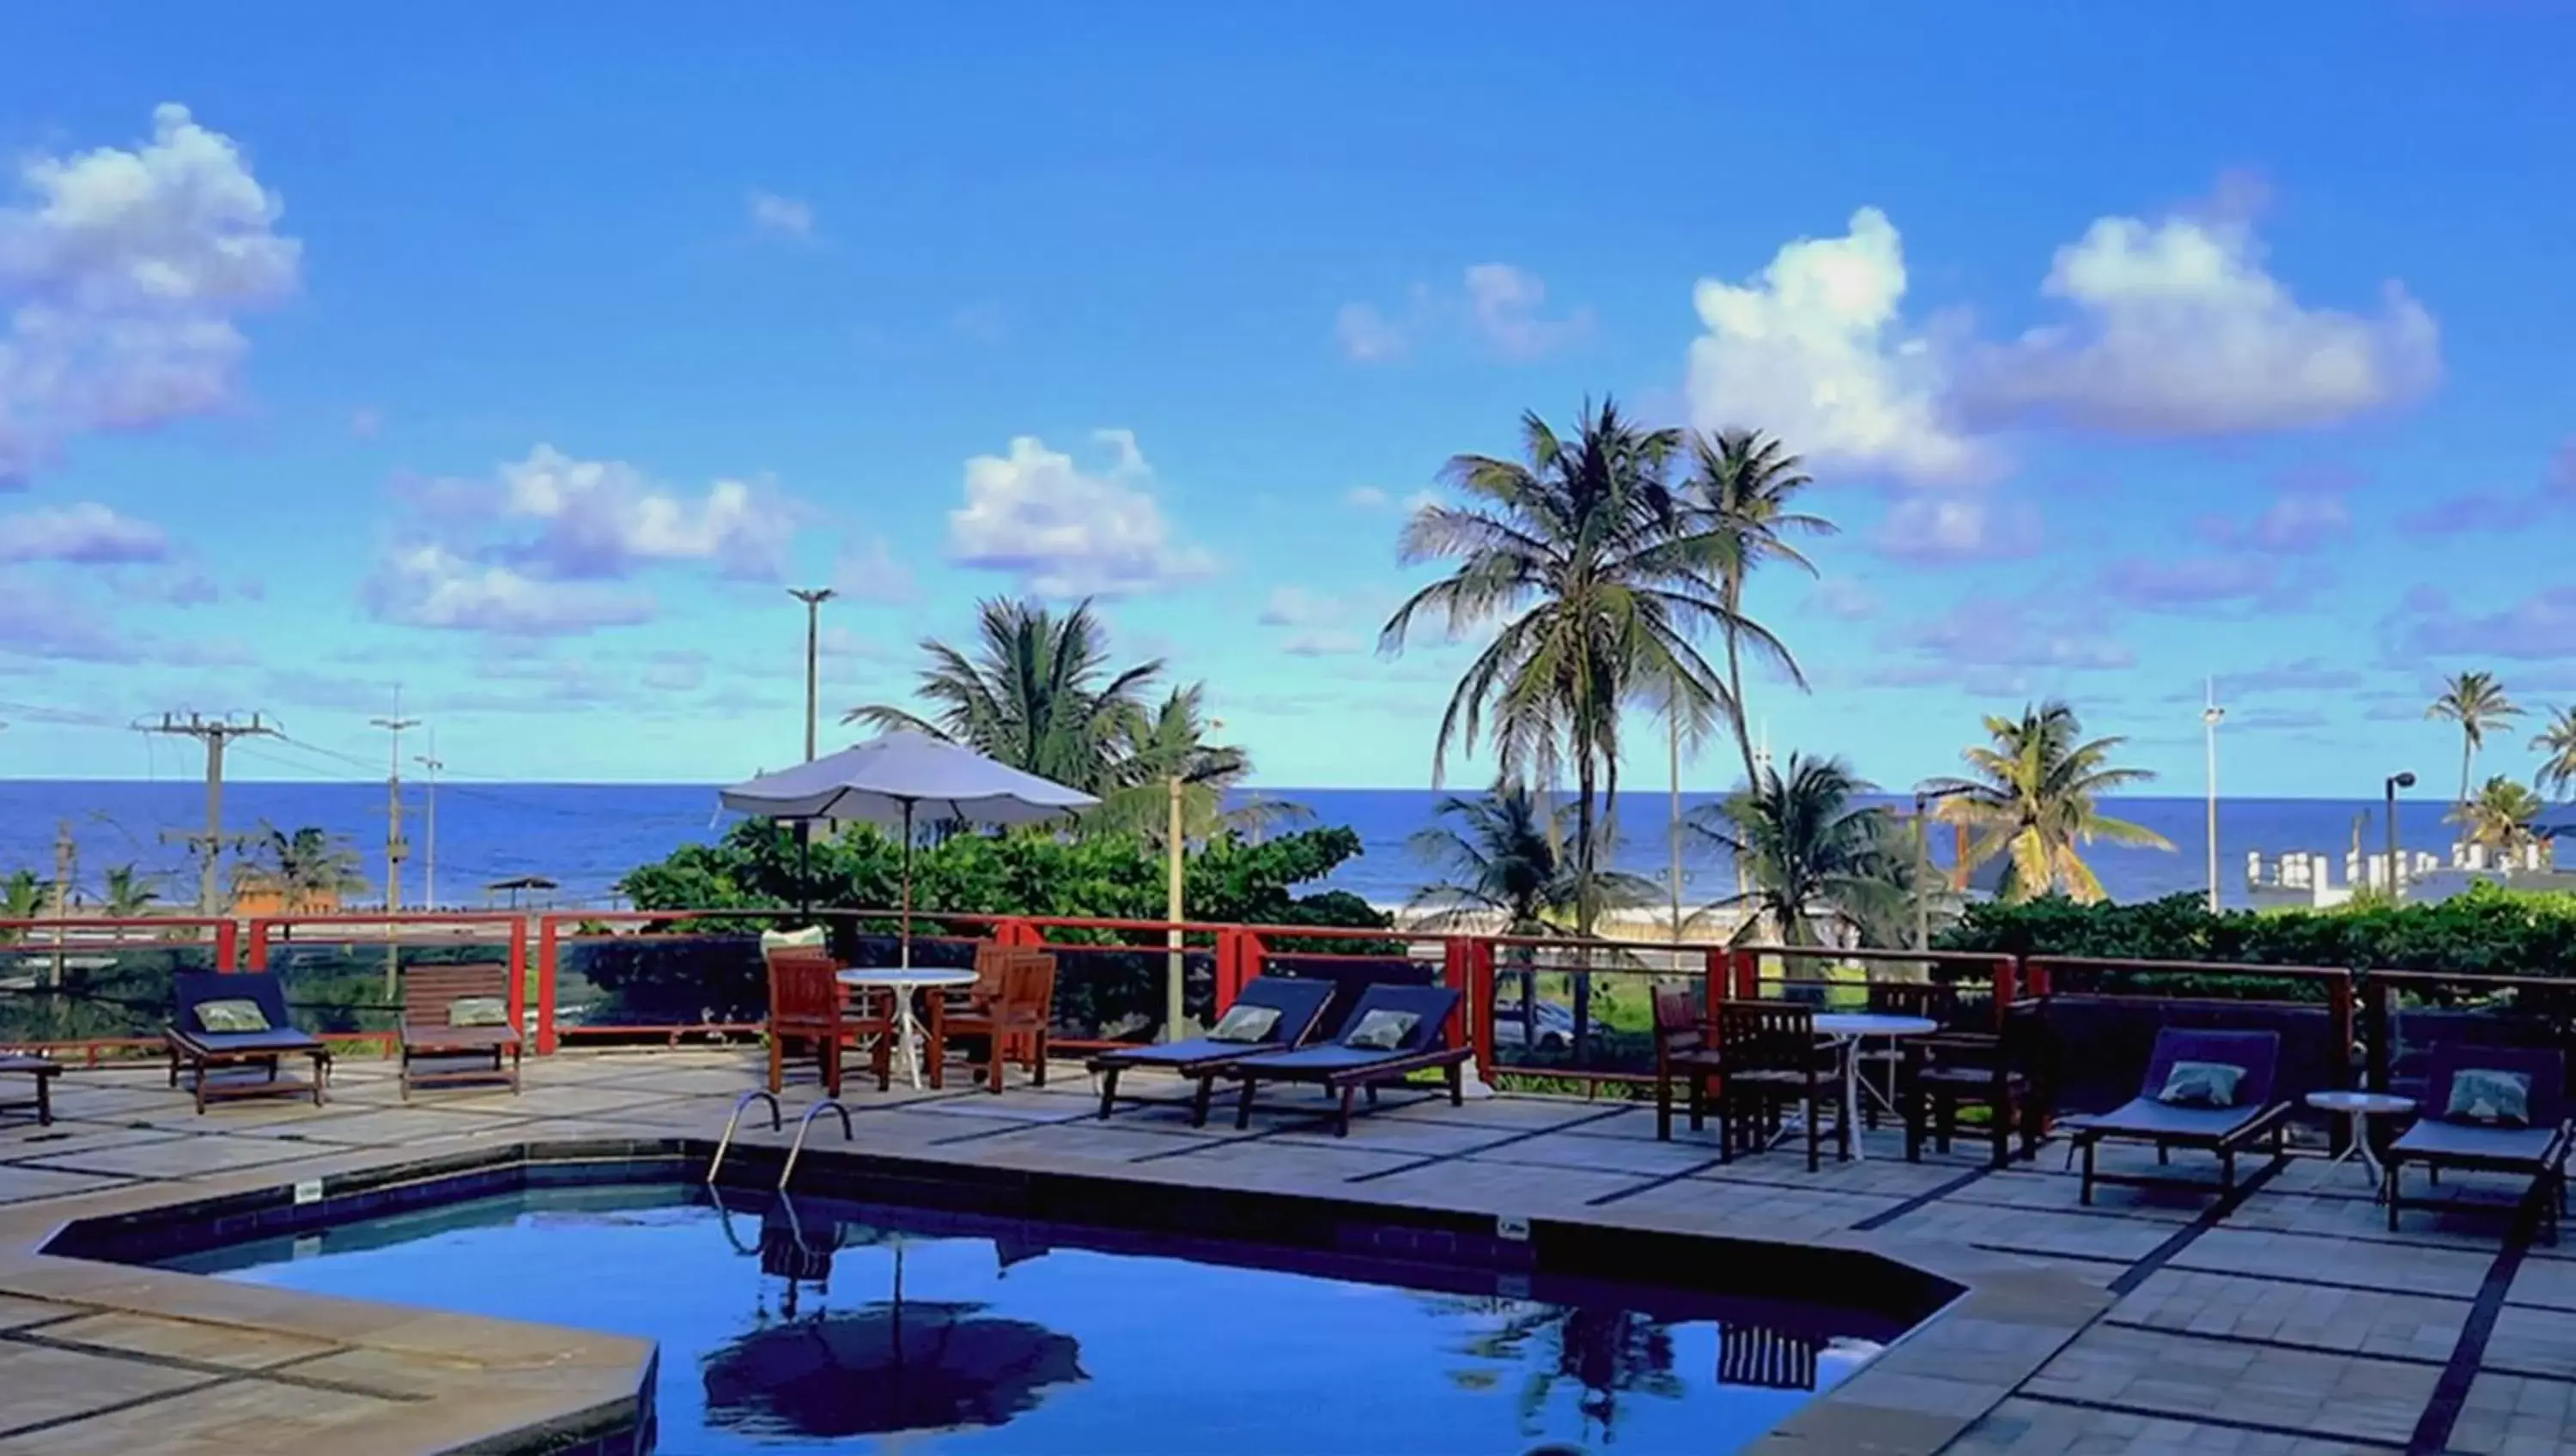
{"type": "Point", "coordinates": [2360, 1108]}
{"type": "Point", "coordinates": [1851, 1028]}
{"type": "Point", "coordinates": [906, 982]}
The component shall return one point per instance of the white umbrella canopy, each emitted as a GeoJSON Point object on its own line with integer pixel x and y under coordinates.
{"type": "Point", "coordinates": [900, 778]}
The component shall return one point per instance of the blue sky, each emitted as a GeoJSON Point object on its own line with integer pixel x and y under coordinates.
{"type": "Point", "coordinates": [525, 367]}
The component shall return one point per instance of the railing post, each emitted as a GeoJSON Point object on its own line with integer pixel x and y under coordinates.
{"type": "Point", "coordinates": [228, 944]}
{"type": "Point", "coordinates": [1229, 967]}
{"type": "Point", "coordinates": [1480, 995]}
{"type": "Point", "coordinates": [2339, 1005]}
{"type": "Point", "coordinates": [256, 955]}
{"type": "Point", "coordinates": [1712, 988]}
{"type": "Point", "coordinates": [549, 950]}
{"type": "Point", "coordinates": [2377, 1024]}
{"type": "Point", "coordinates": [1745, 967]}
{"type": "Point", "coordinates": [2007, 989]}
{"type": "Point", "coordinates": [519, 973]}
{"type": "Point", "coordinates": [2034, 974]}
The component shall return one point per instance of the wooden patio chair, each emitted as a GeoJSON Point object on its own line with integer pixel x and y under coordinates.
{"type": "Point", "coordinates": [1682, 1054]}
{"type": "Point", "coordinates": [1775, 1060]}
{"type": "Point", "coordinates": [807, 1003]}
{"type": "Point", "coordinates": [452, 1012]}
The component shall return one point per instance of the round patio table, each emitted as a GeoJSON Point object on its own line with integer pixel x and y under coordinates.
{"type": "Point", "coordinates": [2360, 1108]}
{"type": "Point", "coordinates": [1850, 1029]}
{"type": "Point", "coordinates": [906, 982]}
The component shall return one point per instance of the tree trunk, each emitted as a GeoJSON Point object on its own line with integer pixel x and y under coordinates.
{"type": "Point", "coordinates": [1585, 906]}
{"type": "Point", "coordinates": [2468, 755]}
{"type": "Point", "coordinates": [1735, 682]}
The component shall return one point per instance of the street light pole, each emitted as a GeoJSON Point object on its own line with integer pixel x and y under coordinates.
{"type": "Point", "coordinates": [1922, 871]}
{"type": "Point", "coordinates": [1175, 974]}
{"type": "Point", "coordinates": [2209, 717]}
{"type": "Point", "coordinates": [2396, 876]}
{"type": "Point", "coordinates": [813, 598]}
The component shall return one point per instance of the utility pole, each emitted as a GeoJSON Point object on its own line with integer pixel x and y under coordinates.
{"type": "Point", "coordinates": [813, 598]}
{"type": "Point", "coordinates": [215, 733]}
{"type": "Point", "coordinates": [66, 867]}
{"type": "Point", "coordinates": [1673, 720]}
{"type": "Point", "coordinates": [2209, 717]}
{"type": "Point", "coordinates": [396, 850]}
{"type": "Point", "coordinates": [429, 814]}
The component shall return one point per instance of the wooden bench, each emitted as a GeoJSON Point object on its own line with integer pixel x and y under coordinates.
{"type": "Point", "coordinates": [44, 1070]}
{"type": "Point", "coordinates": [431, 998]}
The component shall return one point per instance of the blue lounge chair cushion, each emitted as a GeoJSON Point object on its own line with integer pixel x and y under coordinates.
{"type": "Point", "coordinates": [196, 990]}
{"type": "Point", "coordinates": [1244, 1022]}
{"type": "Point", "coordinates": [275, 1039]}
{"type": "Point", "coordinates": [2146, 1117]}
{"type": "Point", "coordinates": [1300, 1004]}
{"type": "Point", "coordinates": [2489, 1095]}
{"type": "Point", "coordinates": [2438, 1139]}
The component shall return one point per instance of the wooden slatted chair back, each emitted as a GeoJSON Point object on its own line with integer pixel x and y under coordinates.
{"type": "Point", "coordinates": [1766, 1036]}
{"type": "Point", "coordinates": [1027, 997]}
{"type": "Point", "coordinates": [430, 993]}
{"type": "Point", "coordinates": [804, 997]}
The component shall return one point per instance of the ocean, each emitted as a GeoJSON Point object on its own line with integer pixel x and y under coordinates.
{"type": "Point", "coordinates": [585, 836]}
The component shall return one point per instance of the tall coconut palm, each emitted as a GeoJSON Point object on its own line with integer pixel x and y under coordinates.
{"type": "Point", "coordinates": [1039, 695]}
{"type": "Point", "coordinates": [1743, 489]}
{"type": "Point", "coordinates": [309, 869]}
{"type": "Point", "coordinates": [1583, 555]}
{"type": "Point", "coordinates": [2030, 797]}
{"type": "Point", "coordinates": [1171, 743]}
{"type": "Point", "coordinates": [2557, 745]}
{"type": "Point", "coordinates": [1810, 852]}
{"type": "Point", "coordinates": [1500, 860]}
{"type": "Point", "coordinates": [2500, 816]}
{"type": "Point", "coordinates": [126, 894]}
{"type": "Point", "coordinates": [23, 896]}
{"type": "Point", "coordinates": [2476, 701]}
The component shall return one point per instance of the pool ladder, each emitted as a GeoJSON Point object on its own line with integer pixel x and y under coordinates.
{"type": "Point", "coordinates": [777, 1121]}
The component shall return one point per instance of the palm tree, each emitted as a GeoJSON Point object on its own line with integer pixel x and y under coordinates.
{"type": "Point", "coordinates": [2030, 796]}
{"type": "Point", "coordinates": [1500, 860]}
{"type": "Point", "coordinates": [1151, 750]}
{"type": "Point", "coordinates": [1039, 696]}
{"type": "Point", "coordinates": [2557, 745]}
{"type": "Point", "coordinates": [1584, 554]}
{"type": "Point", "coordinates": [1743, 487]}
{"type": "Point", "coordinates": [308, 868]}
{"type": "Point", "coordinates": [126, 894]}
{"type": "Point", "coordinates": [1811, 852]}
{"type": "Point", "coordinates": [2501, 815]}
{"type": "Point", "coordinates": [23, 896]}
{"type": "Point", "coordinates": [2475, 701]}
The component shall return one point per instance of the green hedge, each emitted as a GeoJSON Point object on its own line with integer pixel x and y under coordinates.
{"type": "Point", "coordinates": [2484, 932]}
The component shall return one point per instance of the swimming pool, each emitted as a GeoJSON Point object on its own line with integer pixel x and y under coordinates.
{"type": "Point", "coordinates": [833, 1324]}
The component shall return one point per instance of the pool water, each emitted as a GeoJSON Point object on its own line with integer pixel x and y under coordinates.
{"type": "Point", "coordinates": [825, 1326]}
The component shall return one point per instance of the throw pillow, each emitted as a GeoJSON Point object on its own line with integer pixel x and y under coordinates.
{"type": "Point", "coordinates": [2483, 1094]}
{"type": "Point", "coordinates": [812, 937]}
{"type": "Point", "coordinates": [479, 1011]}
{"type": "Point", "coordinates": [2201, 1084]}
{"type": "Point", "coordinates": [1244, 1023]}
{"type": "Point", "coordinates": [227, 1018]}
{"type": "Point", "coordinates": [1381, 1030]}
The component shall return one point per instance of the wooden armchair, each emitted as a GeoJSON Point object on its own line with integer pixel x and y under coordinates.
{"type": "Point", "coordinates": [807, 1003]}
{"type": "Point", "coordinates": [993, 1012]}
{"type": "Point", "coordinates": [2002, 1071]}
{"type": "Point", "coordinates": [1774, 1060]}
{"type": "Point", "coordinates": [1682, 1054]}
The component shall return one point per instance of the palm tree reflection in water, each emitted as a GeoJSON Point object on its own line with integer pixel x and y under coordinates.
{"type": "Point", "coordinates": [1605, 1353]}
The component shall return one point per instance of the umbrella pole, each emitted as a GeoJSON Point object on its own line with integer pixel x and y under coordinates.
{"type": "Point", "coordinates": [907, 885]}
{"type": "Point", "coordinates": [805, 867]}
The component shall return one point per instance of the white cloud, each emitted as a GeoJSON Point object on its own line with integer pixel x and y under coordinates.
{"type": "Point", "coordinates": [1368, 335]}
{"type": "Point", "coordinates": [1971, 526]}
{"type": "Point", "coordinates": [123, 271]}
{"type": "Point", "coordinates": [428, 585]}
{"type": "Point", "coordinates": [2179, 330]}
{"type": "Point", "coordinates": [601, 518]}
{"type": "Point", "coordinates": [1814, 351]}
{"type": "Point", "coordinates": [781, 217]}
{"type": "Point", "coordinates": [1842, 598]}
{"type": "Point", "coordinates": [1295, 606]}
{"type": "Point", "coordinates": [866, 570]}
{"type": "Point", "coordinates": [1504, 303]}
{"type": "Point", "coordinates": [88, 534]}
{"type": "Point", "coordinates": [1317, 622]}
{"type": "Point", "coordinates": [1367, 498]}
{"type": "Point", "coordinates": [1067, 532]}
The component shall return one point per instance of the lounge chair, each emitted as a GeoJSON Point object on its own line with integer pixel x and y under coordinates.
{"type": "Point", "coordinates": [2165, 1114]}
{"type": "Point", "coordinates": [1415, 1020]}
{"type": "Point", "coordinates": [44, 1069]}
{"type": "Point", "coordinates": [458, 1011]}
{"type": "Point", "coordinates": [2537, 1143]}
{"type": "Point", "coordinates": [1300, 1006]}
{"type": "Point", "coordinates": [232, 1019]}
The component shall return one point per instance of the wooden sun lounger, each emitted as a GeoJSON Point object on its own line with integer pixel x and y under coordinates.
{"type": "Point", "coordinates": [1300, 1005]}
{"type": "Point", "coordinates": [2223, 1131]}
{"type": "Point", "coordinates": [431, 995]}
{"type": "Point", "coordinates": [204, 1053]}
{"type": "Point", "coordinates": [1350, 1070]}
{"type": "Point", "coordinates": [44, 1070]}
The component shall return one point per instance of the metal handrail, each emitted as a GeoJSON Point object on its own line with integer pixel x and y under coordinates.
{"type": "Point", "coordinates": [777, 1120]}
{"type": "Point", "coordinates": [804, 1125]}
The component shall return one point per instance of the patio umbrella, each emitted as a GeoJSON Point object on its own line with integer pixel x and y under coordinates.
{"type": "Point", "coordinates": [895, 778]}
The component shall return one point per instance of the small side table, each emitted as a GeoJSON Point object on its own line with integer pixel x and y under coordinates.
{"type": "Point", "coordinates": [906, 982]}
{"type": "Point", "coordinates": [2361, 1107]}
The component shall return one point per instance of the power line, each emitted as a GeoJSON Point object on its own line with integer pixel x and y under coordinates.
{"type": "Point", "coordinates": [214, 733]}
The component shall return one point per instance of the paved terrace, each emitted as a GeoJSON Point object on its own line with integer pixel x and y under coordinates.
{"type": "Point", "coordinates": [2284, 1320]}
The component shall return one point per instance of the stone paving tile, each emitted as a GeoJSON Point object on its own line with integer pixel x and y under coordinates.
{"type": "Point", "coordinates": [2036, 1230]}
{"type": "Point", "coordinates": [2357, 1321]}
{"type": "Point", "coordinates": [1770, 1213]}
{"type": "Point", "coordinates": [2533, 1342]}
{"type": "Point", "coordinates": [16, 1312]}
{"type": "Point", "coordinates": [214, 1344]}
{"type": "Point", "coordinates": [177, 1158]}
{"type": "Point", "coordinates": [2511, 1415]}
{"type": "Point", "coordinates": [2550, 1283]}
{"type": "Point", "coordinates": [1599, 1155]}
{"type": "Point", "coordinates": [2348, 1397]}
{"type": "Point", "coordinates": [2058, 1193]}
{"type": "Point", "coordinates": [18, 1182]}
{"type": "Point", "coordinates": [2036, 1428]}
{"type": "Point", "coordinates": [1497, 1186]}
{"type": "Point", "coordinates": [49, 1385]}
{"type": "Point", "coordinates": [220, 1420]}
{"type": "Point", "coordinates": [67, 1137]}
{"type": "Point", "coordinates": [403, 1127]}
{"type": "Point", "coordinates": [1421, 1139]}
{"type": "Point", "coordinates": [2412, 1270]}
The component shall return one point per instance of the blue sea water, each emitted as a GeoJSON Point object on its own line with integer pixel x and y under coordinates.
{"type": "Point", "coordinates": [587, 835]}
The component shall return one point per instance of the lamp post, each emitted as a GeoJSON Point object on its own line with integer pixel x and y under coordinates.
{"type": "Point", "coordinates": [1175, 973]}
{"type": "Point", "coordinates": [2209, 717]}
{"type": "Point", "coordinates": [813, 598]}
{"type": "Point", "coordinates": [2396, 877]}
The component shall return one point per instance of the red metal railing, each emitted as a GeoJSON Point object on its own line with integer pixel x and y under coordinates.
{"type": "Point", "coordinates": [50, 943]}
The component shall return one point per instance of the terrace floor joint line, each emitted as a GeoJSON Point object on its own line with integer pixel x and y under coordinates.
{"type": "Point", "coordinates": [1664, 1180]}
{"type": "Point", "coordinates": [2210, 1218]}
{"type": "Point", "coordinates": [2451, 1393]}
{"type": "Point", "coordinates": [1433, 1160]}
{"type": "Point", "coordinates": [2222, 1337]}
{"type": "Point", "coordinates": [1922, 1200]}
{"type": "Point", "coordinates": [2203, 1418]}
